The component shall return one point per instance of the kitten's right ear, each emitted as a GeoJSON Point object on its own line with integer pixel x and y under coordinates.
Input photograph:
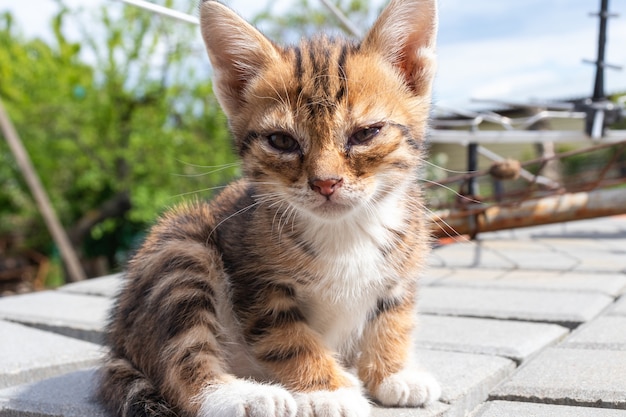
{"type": "Point", "coordinates": [405, 34]}
{"type": "Point", "coordinates": [237, 52]}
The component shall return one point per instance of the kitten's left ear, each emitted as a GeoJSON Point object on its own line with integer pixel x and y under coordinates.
{"type": "Point", "coordinates": [405, 35]}
{"type": "Point", "coordinates": [237, 52]}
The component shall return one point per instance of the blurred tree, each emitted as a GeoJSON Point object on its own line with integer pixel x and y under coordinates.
{"type": "Point", "coordinates": [307, 17]}
{"type": "Point", "coordinates": [114, 126]}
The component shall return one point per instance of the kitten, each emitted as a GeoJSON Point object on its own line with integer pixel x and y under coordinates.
{"type": "Point", "coordinates": [293, 292]}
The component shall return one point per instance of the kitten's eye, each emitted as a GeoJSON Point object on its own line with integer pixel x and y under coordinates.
{"type": "Point", "coordinates": [364, 135]}
{"type": "Point", "coordinates": [283, 142]}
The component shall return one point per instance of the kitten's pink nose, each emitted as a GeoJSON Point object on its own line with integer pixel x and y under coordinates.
{"type": "Point", "coordinates": [326, 187]}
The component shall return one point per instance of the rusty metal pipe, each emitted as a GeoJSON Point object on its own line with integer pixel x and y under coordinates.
{"type": "Point", "coordinates": [554, 209]}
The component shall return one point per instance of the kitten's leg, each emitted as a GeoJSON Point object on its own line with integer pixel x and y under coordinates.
{"type": "Point", "coordinates": [296, 357]}
{"type": "Point", "coordinates": [176, 307]}
{"type": "Point", "coordinates": [197, 351]}
{"type": "Point", "coordinates": [386, 363]}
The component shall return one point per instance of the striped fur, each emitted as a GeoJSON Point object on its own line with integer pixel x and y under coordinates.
{"type": "Point", "coordinates": [292, 292]}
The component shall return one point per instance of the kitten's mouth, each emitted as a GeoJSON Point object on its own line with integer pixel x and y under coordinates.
{"type": "Point", "coordinates": [332, 208]}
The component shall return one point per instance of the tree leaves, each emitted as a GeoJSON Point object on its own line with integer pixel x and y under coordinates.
{"type": "Point", "coordinates": [113, 114]}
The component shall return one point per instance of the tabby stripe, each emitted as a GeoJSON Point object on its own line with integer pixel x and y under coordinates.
{"type": "Point", "coordinates": [182, 263]}
{"type": "Point", "coordinates": [385, 305]}
{"type": "Point", "coordinates": [406, 132]}
{"type": "Point", "coordinates": [264, 324]}
{"type": "Point", "coordinates": [285, 354]}
{"type": "Point", "coordinates": [187, 313]}
{"type": "Point", "coordinates": [341, 71]}
{"type": "Point", "coordinates": [195, 283]}
{"type": "Point", "coordinates": [299, 72]}
{"type": "Point", "coordinates": [190, 359]}
{"type": "Point", "coordinates": [247, 141]}
{"type": "Point", "coordinates": [284, 289]}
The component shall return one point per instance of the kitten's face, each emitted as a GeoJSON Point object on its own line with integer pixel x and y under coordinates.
{"type": "Point", "coordinates": [332, 135]}
{"type": "Point", "coordinates": [329, 127]}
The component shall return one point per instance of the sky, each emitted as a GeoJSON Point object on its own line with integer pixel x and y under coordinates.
{"type": "Point", "coordinates": [503, 50]}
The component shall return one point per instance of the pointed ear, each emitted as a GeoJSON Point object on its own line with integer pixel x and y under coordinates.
{"type": "Point", "coordinates": [236, 50]}
{"type": "Point", "coordinates": [405, 35]}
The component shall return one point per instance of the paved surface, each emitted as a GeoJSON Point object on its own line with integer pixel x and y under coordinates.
{"type": "Point", "coordinates": [519, 323]}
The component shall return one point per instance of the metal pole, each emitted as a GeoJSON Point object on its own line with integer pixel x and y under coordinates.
{"type": "Point", "coordinates": [343, 19]}
{"type": "Point", "coordinates": [472, 166]}
{"type": "Point", "coordinates": [70, 258]}
{"type": "Point", "coordinates": [155, 8]}
{"type": "Point", "coordinates": [598, 86]}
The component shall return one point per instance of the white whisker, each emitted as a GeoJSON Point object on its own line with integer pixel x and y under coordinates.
{"type": "Point", "coordinates": [237, 213]}
{"type": "Point", "coordinates": [202, 190]}
{"type": "Point", "coordinates": [464, 197]}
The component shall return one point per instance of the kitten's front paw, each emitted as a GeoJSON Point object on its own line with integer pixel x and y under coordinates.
{"type": "Point", "coordinates": [241, 398]}
{"type": "Point", "coordinates": [408, 388]}
{"type": "Point", "coordinates": [344, 402]}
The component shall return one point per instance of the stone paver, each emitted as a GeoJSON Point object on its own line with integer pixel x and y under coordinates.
{"type": "Point", "coordinates": [512, 339]}
{"type": "Point", "coordinates": [28, 354]}
{"type": "Point", "coordinates": [611, 283]}
{"type": "Point", "coordinates": [107, 286]}
{"type": "Point", "coordinates": [520, 409]}
{"type": "Point", "coordinates": [69, 395]}
{"type": "Point", "coordinates": [469, 255]}
{"type": "Point", "coordinates": [466, 379]}
{"type": "Point", "coordinates": [567, 308]}
{"type": "Point", "coordinates": [437, 409]}
{"type": "Point", "coordinates": [620, 307]}
{"type": "Point", "coordinates": [608, 332]}
{"type": "Point", "coordinates": [74, 315]}
{"type": "Point", "coordinates": [570, 377]}
{"type": "Point", "coordinates": [530, 254]}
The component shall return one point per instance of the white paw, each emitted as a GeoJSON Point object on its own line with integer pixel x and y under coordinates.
{"type": "Point", "coordinates": [344, 402]}
{"type": "Point", "coordinates": [408, 388]}
{"type": "Point", "coordinates": [241, 398]}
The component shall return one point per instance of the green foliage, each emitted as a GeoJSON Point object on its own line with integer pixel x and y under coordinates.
{"type": "Point", "coordinates": [122, 115]}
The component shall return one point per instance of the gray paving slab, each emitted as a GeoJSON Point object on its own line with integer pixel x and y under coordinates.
{"type": "Point", "coordinates": [530, 254]}
{"type": "Point", "coordinates": [69, 395]}
{"type": "Point", "coordinates": [601, 261]}
{"type": "Point", "coordinates": [107, 286]}
{"type": "Point", "coordinates": [463, 276]}
{"type": "Point", "coordinates": [28, 354]}
{"type": "Point", "coordinates": [72, 395]}
{"type": "Point", "coordinates": [613, 284]}
{"type": "Point", "coordinates": [74, 315]}
{"type": "Point", "coordinates": [620, 307]}
{"type": "Point", "coordinates": [434, 274]}
{"type": "Point", "coordinates": [567, 308]}
{"type": "Point", "coordinates": [471, 255]}
{"type": "Point", "coordinates": [511, 339]}
{"type": "Point", "coordinates": [605, 332]}
{"type": "Point", "coordinates": [522, 409]}
{"type": "Point", "coordinates": [466, 379]}
{"type": "Point", "coordinates": [566, 376]}
{"type": "Point", "coordinates": [437, 409]}
{"type": "Point", "coordinates": [570, 244]}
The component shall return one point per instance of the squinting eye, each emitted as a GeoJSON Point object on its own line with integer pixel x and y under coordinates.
{"type": "Point", "coordinates": [283, 142]}
{"type": "Point", "coordinates": [364, 135]}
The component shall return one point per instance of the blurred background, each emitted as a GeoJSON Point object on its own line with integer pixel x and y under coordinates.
{"type": "Point", "coordinates": [114, 105]}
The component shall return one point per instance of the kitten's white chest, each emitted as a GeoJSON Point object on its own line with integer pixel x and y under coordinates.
{"type": "Point", "coordinates": [350, 275]}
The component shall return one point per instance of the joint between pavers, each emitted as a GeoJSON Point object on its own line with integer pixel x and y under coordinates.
{"type": "Point", "coordinates": [85, 335]}
{"type": "Point", "coordinates": [558, 401]}
{"type": "Point", "coordinates": [570, 325]}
